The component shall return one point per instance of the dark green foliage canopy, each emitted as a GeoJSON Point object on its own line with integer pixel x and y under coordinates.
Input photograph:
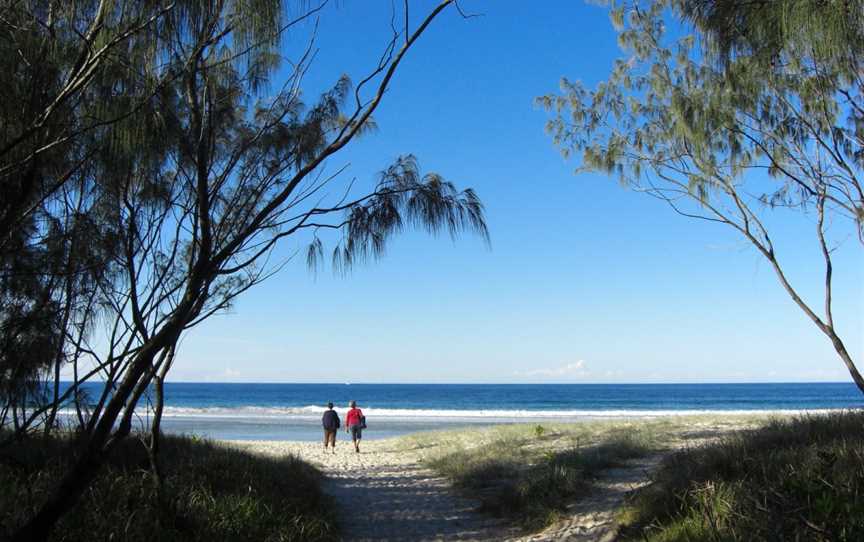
{"type": "Point", "coordinates": [148, 173]}
{"type": "Point", "coordinates": [831, 32]}
{"type": "Point", "coordinates": [148, 182]}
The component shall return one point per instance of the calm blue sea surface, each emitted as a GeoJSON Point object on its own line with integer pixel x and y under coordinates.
{"type": "Point", "coordinates": [293, 411]}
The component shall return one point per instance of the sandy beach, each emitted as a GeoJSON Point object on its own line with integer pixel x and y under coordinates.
{"type": "Point", "coordinates": [386, 493]}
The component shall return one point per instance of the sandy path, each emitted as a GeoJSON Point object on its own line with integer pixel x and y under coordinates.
{"type": "Point", "coordinates": [396, 502]}
{"type": "Point", "coordinates": [384, 494]}
{"type": "Point", "coordinates": [593, 517]}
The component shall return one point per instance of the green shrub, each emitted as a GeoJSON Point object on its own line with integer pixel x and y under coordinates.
{"type": "Point", "coordinates": [799, 479]}
{"type": "Point", "coordinates": [528, 486]}
{"type": "Point", "coordinates": [210, 492]}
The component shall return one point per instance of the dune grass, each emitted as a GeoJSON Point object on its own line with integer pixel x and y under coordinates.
{"type": "Point", "coordinates": [210, 492]}
{"type": "Point", "coordinates": [793, 479]}
{"type": "Point", "coordinates": [530, 473]}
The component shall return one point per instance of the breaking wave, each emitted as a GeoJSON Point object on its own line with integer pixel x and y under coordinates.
{"type": "Point", "coordinates": [312, 411]}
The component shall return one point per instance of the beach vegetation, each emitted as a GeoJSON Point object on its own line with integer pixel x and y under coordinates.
{"type": "Point", "coordinates": [756, 113]}
{"type": "Point", "coordinates": [75, 74]}
{"type": "Point", "coordinates": [208, 492]}
{"type": "Point", "coordinates": [183, 159]}
{"type": "Point", "coordinates": [531, 482]}
{"type": "Point", "coordinates": [798, 478]}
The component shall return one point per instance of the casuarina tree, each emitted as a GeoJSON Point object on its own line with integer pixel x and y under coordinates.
{"type": "Point", "coordinates": [768, 114]}
{"type": "Point", "coordinates": [219, 176]}
{"type": "Point", "coordinates": [74, 71]}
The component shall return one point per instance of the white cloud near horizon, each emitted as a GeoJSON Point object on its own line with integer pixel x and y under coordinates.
{"type": "Point", "coordinates": [573, 369]}
{"type": "Point", "coordinates": [230, 373]}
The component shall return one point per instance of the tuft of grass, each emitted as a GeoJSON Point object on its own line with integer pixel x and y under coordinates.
{"type": "Point", "coordinates": [532, 485]}
{"type": "Point", "coordinates": [210, 492]}
{"type": "Point", "coordinates": [793, 479]}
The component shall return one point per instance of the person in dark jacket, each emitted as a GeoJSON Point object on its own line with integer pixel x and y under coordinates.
{"type": "Point", "coordinates": [331, 424]}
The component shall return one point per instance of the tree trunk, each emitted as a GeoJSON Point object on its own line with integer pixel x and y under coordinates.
{"type": "Point", "coordinates": [825, 327]}
{"type": "Point", "coordinates": [93, 452]}
{"type": "Point", "coordinates": [71, 268]}
{"type": "Point", "coordinates": [847, 359]}
{"type": "Point", "coordinates": [156, 433]}
{"type": "Point", "coordinates": [38, 528]}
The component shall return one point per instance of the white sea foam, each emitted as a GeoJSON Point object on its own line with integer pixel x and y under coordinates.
{"type": "Point", "coordinates": [250, 412]}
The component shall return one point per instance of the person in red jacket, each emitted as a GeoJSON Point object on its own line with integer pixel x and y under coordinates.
{"type": "Point", "coordinates": [354, 423]}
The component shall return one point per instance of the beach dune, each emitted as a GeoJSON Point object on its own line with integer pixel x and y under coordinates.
{"type": "Point", "coordinates": [384, 493]}
{"type": "Point", "coordinates": [387, 492]}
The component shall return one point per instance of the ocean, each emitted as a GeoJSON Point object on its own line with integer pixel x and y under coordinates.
{"type": "Point", "coordinates": [293, 411]}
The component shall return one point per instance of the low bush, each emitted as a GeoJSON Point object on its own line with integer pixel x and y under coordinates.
{"type": "Point", "coordinates": [210, 492]}
{"type": "Point", "coordinates": [529, 486]}
{"type": "Point", "coordinates": [794, 479]}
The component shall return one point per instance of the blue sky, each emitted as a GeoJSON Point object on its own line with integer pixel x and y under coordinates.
{"type": "Point", "coordinates": [584, 281]}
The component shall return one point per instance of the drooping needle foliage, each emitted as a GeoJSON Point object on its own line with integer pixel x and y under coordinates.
{"type": "Point", "coordinates": [163, 152]}
{"type": "Point", "coordinates": [760, 107]}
